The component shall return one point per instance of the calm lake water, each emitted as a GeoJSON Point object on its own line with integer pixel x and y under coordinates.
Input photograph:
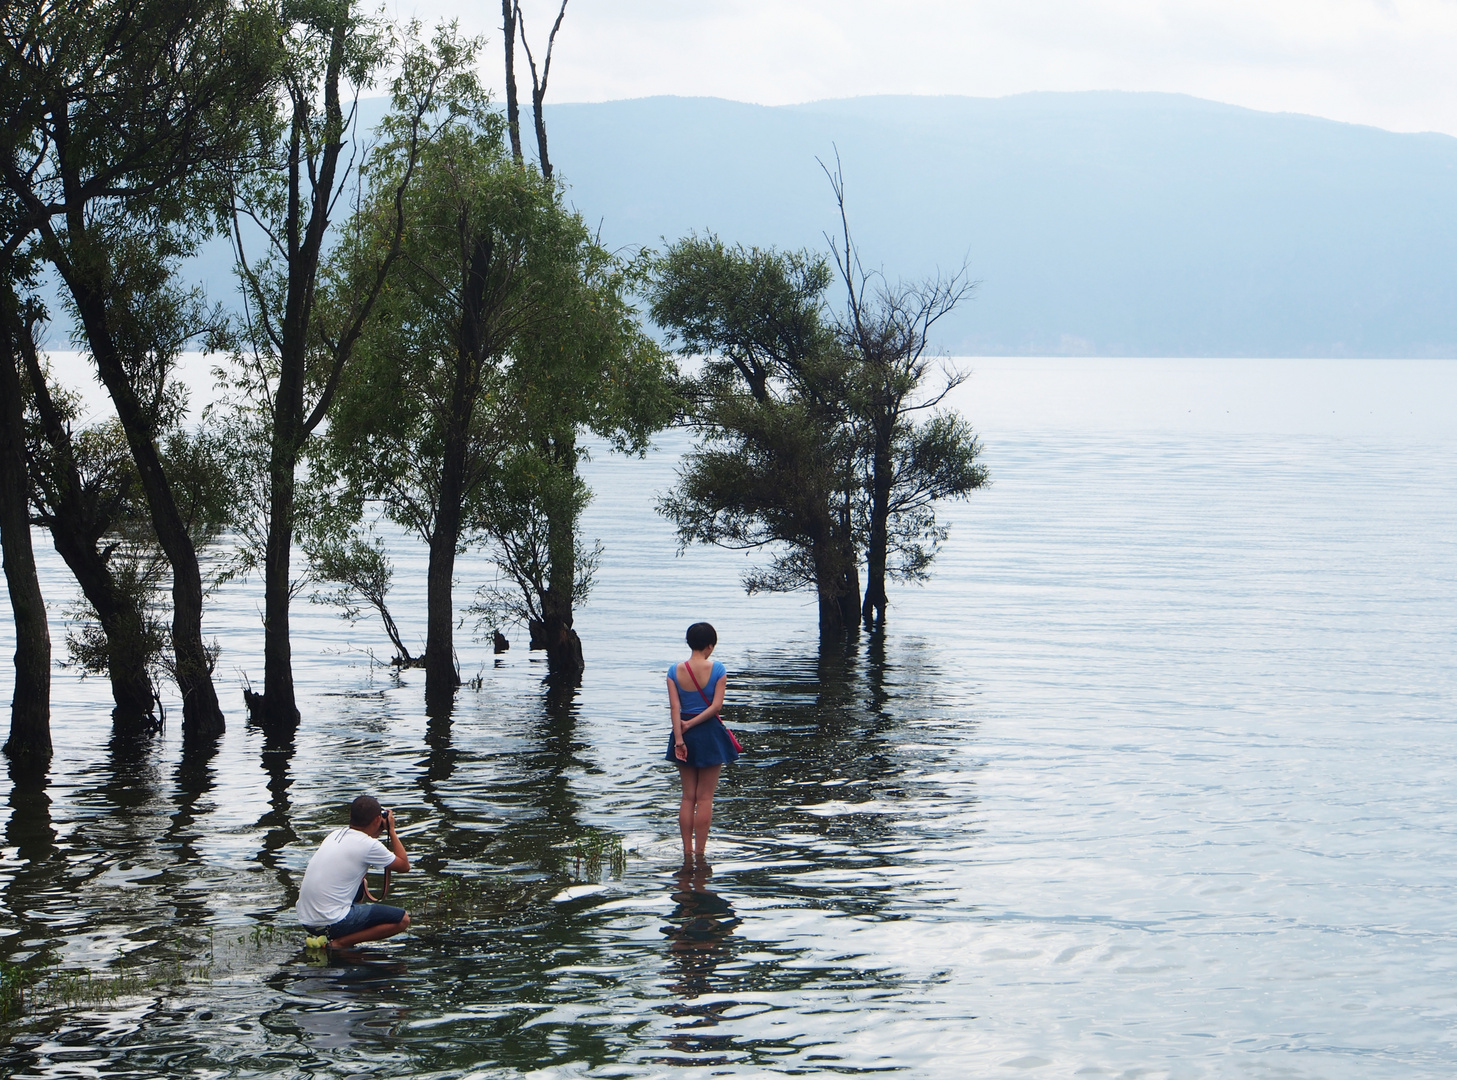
{"type": "Point", "coordinates": [1156, 778]}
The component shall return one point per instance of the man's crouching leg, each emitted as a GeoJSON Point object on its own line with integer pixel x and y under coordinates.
{"type": "Point", "coordinates": [380, 921]}
{"type": "Point", "coordinates": [374, 933]}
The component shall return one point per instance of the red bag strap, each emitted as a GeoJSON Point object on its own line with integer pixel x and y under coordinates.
{"type": "Point", "coordinates": [707, 701]}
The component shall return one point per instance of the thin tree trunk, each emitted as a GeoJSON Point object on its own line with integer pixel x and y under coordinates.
{"type": "Point", "coordinates": [441, 676]}
{"type": "Point", "coordinates": [277, 709]}
{"type": "Point", "coordinates": [513, 108]}
{"type": "Point", "coordinates": [879, 539]}
{"type": "Point", "coordinates": [563, 646]}
{"type": "Point", "coordinates": [29, 745]}
{"type": "Point", "coordinates": [202, 718]}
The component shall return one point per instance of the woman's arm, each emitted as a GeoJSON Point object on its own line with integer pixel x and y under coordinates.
{"type": "Point", "coordinates": [680, 748]}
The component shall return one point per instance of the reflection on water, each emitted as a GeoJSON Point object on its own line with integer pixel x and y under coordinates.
{"type": "Point", "coordinates": [1133, 785]}
{"type": "Point", "coordinates": [698, 931]}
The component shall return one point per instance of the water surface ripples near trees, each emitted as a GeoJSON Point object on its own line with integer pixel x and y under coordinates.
{"type": "Point", "coordinates": [1155, 778]}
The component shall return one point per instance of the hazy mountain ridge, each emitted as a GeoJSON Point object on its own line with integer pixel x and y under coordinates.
{"type": "Point", "coordinates": [1097, 223]}
{"type": "Point", "coordinates": [1109, 223]}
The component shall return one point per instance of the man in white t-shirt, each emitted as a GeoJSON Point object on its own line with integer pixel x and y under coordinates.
{"type": "Point", "coordinates": [334, 881]}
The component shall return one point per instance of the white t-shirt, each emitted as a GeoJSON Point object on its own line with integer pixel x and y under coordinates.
{"type": "Point", "coordinates": [332, 880]}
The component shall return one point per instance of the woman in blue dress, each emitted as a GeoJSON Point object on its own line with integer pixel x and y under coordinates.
{"type": "Point", "coordinates": [700, 745]}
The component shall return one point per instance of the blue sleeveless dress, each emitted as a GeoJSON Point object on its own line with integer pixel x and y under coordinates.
{"type": "Point", "coordinates": [708, 743]}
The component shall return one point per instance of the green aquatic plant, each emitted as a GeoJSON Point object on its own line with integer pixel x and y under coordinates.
{"type": "Point", "coordinates": [596, 850]}
{"type": "Point", "coordinates": [14, 981]}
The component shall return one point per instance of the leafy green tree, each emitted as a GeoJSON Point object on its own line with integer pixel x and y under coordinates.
{"type": "Point", "coordinates": [775, 462]}
{"type": "Point", "coordinates": [300, 335]}
{"type": "Point", "coordinates": [588, 368]}
{"type": "Point", "coordinates": [86, 493]}
{"type": "Point", "coordinates": [416, 425]}
{"type": "Point", "coordinates": [122, 120]}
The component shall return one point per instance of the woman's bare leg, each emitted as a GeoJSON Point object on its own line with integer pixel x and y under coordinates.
{"type": "Point", "coordinates": [689, 776]}
{"type": "Point", "coordinates": [703, 806]}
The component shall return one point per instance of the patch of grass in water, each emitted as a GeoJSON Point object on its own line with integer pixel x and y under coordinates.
{"type": "Point", "coordinates": [596, 850]}
{"type": "Point", "coordinates": [455, 898]}
{"type": "Point", "coordinates": [42, 983]}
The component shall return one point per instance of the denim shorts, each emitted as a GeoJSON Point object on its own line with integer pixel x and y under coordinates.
{"type": "Point", "coordinates": [362, 917]}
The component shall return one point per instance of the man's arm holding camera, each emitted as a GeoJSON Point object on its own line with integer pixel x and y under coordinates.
{"type": "Point", "coordinates": [402, 857]}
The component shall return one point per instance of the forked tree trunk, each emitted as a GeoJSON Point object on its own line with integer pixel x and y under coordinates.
{"type": "Point", "coordinates": [202, 718]}
{"type": "Point", "coordinates": [75, 528]}
{"type": "Point", "coordinates": [308, 218]}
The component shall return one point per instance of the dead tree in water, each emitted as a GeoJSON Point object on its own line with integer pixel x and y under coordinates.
{"type": "Point", "coordinates": [906, 465]}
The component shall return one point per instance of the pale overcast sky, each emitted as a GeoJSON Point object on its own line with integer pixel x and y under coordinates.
{"type": "Point", "coordinates": [1384, 63]}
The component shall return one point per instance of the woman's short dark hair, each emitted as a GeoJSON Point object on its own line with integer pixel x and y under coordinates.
{"type": "Point", "coordinates": [701, 636]}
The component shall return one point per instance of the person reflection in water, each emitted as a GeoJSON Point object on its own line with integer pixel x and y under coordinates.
{"type": "Point", "coordinates": [700, 745]}
{"type": "Point", "coordinates": [696, 931]}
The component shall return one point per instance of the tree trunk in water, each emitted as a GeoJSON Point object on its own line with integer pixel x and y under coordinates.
{"type": "Point", "coordinates": [875, 553]}
{"type": "Point", "coordinates": [276, 710]}
{"type": "Point", "coordinates": [563, 646]}
{"type": "Point", "coordinates": [829, 579]}
{"type": "Point", "coordinates": [849, 598]}
{"type": "Point", "coordinates": [133, 716]}
{"type": "Point", "coordinates": [441, 677]}
{"type": "Point", "coordinates": [837, 577]}
{"type": "Point", "coordinates": [29, 745]}
{"type": "Point", "coordinates": [202, 718]}
{"type": "Point", "coordinates": [75, 527]}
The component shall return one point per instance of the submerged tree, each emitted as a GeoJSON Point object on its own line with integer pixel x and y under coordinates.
{"type": "Point", "coordinates": [416, 425]}
{"type": "Point", "coordinates": [775, 464]}
{"type": "Point", "coordinates": [359, 569]}
{"type": "Point", "coordinates": [87, 493]}
{"type": "Point", "coordinates": [589, 368]}
{"type": "Point", "coordinates": [597, 372]}
{"type": "Point", "coordinates": [907, 464]}
{"type": "Point", "coordinates": [121, 119]}
{"type": "Point", "coordinates": [299, 343]}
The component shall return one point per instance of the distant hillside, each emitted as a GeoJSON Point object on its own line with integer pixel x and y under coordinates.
{"type": "Point", "coordinates": [1097, 223]}
{"type": "Point", "coordinates": [1102, 223]}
